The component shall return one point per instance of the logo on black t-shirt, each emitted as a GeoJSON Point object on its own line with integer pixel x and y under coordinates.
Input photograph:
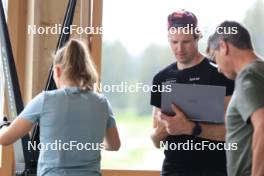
{"type": "Point", "coordinates": [194, 78]}
{"type": "Point", "coordinates": [170, 80]}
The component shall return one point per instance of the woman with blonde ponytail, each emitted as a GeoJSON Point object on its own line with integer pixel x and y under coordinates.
{"type": "Point", "coordinates": [78, 68]}
{"type": "Point", "coordinates": [75, 121]}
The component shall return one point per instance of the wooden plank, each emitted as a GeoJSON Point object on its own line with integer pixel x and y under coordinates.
{"type": "Point", "coordinates": [106, 172]}
{"type": "Point", "coordinates": [47, 13]}
{"type": "Point", "coordinates": [7, 161]}
{"type": "Point", "coordinates": [17, 29]}
{"type": "Point", "coordinates": [96, 44]}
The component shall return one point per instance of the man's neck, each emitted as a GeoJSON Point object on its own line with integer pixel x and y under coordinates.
{"type": "Point", "coordinates": [247, 58]}
{"type": "Point", "coordinates": [197, 59]}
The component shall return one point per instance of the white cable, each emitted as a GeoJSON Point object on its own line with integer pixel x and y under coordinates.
{"type": "Point", "coordinates": [5, 6]}
{"type": "Point", "coordinates": [2, 88]}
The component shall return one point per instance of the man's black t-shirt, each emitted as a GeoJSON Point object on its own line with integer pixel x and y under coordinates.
{"type": "Point", "coordinates": [191, 160]}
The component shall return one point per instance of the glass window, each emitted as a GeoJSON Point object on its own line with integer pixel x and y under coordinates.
{"type": "Point", "coordinates": [135, 48]}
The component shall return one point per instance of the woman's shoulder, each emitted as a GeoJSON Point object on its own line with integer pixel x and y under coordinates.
{"type": "Point", "coordinates": [95, 97]}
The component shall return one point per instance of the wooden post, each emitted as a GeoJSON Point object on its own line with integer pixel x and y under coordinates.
{"type": "Point", "coordinates": [96, 44]}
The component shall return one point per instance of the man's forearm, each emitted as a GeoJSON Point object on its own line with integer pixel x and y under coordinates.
{"type": "Point", "coordinates": [258, 149]}
{"type": "Point", "coordinates": [158, 136]}
{"type": "Point", "coordinates": [213, 132]}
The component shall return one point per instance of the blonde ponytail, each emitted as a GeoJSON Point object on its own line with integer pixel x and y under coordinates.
{"type": "Point", "coordinates": [77, 65]}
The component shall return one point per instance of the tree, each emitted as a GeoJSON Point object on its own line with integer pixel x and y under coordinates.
{"type": "Point", "coordinates": [255, 24]}
{"type": "Point", "coordinates": [116, 68]}
{"type": "Point", "coordinates": [153, 59]}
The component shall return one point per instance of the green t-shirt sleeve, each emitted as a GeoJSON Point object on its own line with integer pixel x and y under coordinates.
{"type": "Point", "coordinates": [250, 95]}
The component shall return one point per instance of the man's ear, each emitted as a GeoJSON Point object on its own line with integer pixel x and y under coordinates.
{"type": "Point", "coordinates": [224, 47]}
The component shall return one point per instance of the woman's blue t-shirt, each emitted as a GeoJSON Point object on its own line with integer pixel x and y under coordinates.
{"type": "Point", "coordinates": [72, 128]}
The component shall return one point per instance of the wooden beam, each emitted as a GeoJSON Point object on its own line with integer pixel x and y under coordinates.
{"type": "Point", "coordinates": [47, 13]}
{"type": "Point", "coordinates": [106, 172]}
{"type": "Point", "coordinates": [96, 41]}
{"type": "Point", "coordinates": [17, 22]}
{"type": "Point", "coordinates": [7, 161]}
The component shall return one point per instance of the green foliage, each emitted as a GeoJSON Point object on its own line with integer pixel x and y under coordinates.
{"type": "Point", "coordinates": [118, 66]}
{"type": "Point", "coordinates": [255, 23]}
{"type": "Point", "coordinates": [136, 149]}
{"type": "Point", "coordinates": [153, 59]}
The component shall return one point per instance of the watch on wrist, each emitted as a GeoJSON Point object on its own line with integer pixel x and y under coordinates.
{"type": "Point", "coordinates": [197, 130]}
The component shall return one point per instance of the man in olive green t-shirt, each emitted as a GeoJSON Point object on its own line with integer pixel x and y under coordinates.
{"type": "Point", "coordinates": [234, 54]}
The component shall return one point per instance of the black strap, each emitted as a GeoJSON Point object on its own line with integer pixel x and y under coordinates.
{"type": "Point", "coordinates": [4, 123]}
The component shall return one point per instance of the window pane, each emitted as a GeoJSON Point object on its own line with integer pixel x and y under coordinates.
{"type": "Point", "coordinates": [135, 48]}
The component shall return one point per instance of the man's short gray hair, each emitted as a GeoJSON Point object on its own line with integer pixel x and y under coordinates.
{"type": "Point", "coordinates": [234, 33]}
